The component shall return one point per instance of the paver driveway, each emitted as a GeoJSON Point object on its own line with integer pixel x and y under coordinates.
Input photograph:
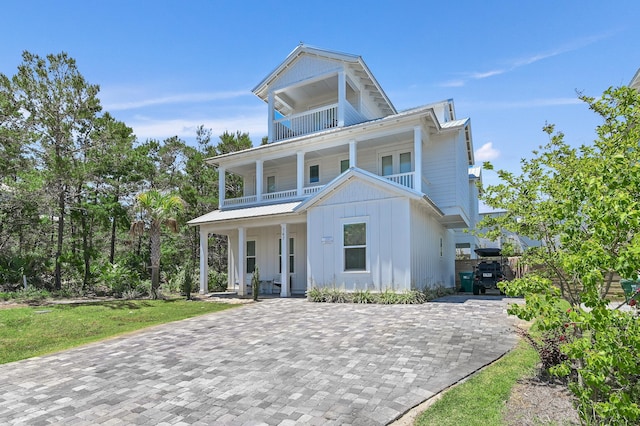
{"type": "Point", "coordinates": [280, 361]}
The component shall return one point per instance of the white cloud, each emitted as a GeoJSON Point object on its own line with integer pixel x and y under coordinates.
{"type": "Point", "coordinates": [174, 99]}
{"type": "Point", "coordinates": [527, 60]}
{"type": "Point", "coordinates": [527, 103]}
{"type": "Point", "coordinates": [486, 152]}
{"type": "Point", "coordinates": [151, 128]}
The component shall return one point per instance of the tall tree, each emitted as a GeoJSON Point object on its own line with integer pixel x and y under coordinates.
{"type": "Point", "coordinates": [57, 107]}
{"type": "Point", "coordinates": [157, 209]}
{"type": "Point", "coordinates": [584, 204]}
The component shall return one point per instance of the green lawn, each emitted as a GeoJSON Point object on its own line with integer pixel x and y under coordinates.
{"type": "Point", "coordinates": [32, 331]}
{"type": "Point", "coordinates": [480, 400]}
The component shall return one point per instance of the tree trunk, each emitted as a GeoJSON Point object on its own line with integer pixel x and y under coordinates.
{"type": "Point", "coordinates": [155, 258]}
{"type": "Point", "coordinates": [112, 249]}
{"type": "Point", "coordinates": [61, 207]}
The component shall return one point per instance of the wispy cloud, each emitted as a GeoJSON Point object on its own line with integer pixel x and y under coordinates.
{"type": "Point", "coordinates": [175, 99]}
{"type": "Point", "coordinates": [151, 128]}
{"type": "Point", "coordinates": [486, 152]}
{"type": "Point", "coordinates": [512, 65]}
{"type": "Point", "coordinates": [526, 103]}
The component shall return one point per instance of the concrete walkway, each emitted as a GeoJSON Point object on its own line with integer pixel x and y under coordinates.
{"type": "Point", "coordinates": [276, 362]}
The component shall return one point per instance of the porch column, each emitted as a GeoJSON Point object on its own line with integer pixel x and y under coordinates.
{"type": "Point", "coordinates": [300, 173]}
{"type": "Point", "coordinates": [204, 261]}
{"type": "Point", "coordinates": [353, 155]}
{"type": "Point", "coordinates": [222, 188]}
{"type": "Point", "coordinates": [342, 97]}
{"type": "Point", "coordinates": [417, 149]}
{"type": "Point", "coordinates": [241, 261]}
{"type": "Point", "coordinates": [271, 115]}
{"type": "Point", "coordinates": [284, 260]}
{"type": "Point", "coordinates": [259, 177]}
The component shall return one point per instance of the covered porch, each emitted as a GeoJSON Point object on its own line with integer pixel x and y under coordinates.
{"type": "Point", "coordinates": [271, 239]}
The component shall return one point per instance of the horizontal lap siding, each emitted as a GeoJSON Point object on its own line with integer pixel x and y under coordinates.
{"type": "Point", "coordinates": [439, 168]}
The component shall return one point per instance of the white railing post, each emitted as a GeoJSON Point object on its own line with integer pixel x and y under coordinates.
{"type": "Point", "coordinates": [272, 117]}
{"type": "Point", "coordinates": [353, 154]}
{"type": "Point", "coordinates": [417, 148]}
{"type": "Point", "coordinates": [240, 263]}
{"type": "Point", "coordinates": [300, 173]}
{"type": "Point", "coordinates": [204, 261]}
{"type": "Point", "coordinates": [284, 261]}
{"type": "Point", "coordinates": [342, 97]}
{"type": "Point", "coordinates": [221, 186]}
{"type": "Point", "coordinates": [259, 178]}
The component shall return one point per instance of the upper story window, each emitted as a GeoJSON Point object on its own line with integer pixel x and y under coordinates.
{"type": "Point", "coordinates": [405, 162]}
{"type": "Point", "coordinates": [271, 184]}
{"type": "Point", "coordinates": [395, 163]}
{"type": "Point", "coordinates": [344, 166]}
{"type": "Point", "coordinates": [314, 174]}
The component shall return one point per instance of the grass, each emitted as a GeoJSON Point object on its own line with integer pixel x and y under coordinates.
{"type": "Point", "coordinates": [33, 331]}
{"type": "Point", "coordinates": [480, 400]}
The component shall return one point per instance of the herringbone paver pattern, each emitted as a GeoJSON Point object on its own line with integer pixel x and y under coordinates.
{"type": "Point", "coordinates": [277, 362]}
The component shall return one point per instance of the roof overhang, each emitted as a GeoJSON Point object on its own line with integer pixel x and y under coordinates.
{"type": "Point", "coordinates": [354, 61]}
{"type": "Point", "coordinates": [356, 132]}
{"type": "Point", "coordinates": [233, 218]}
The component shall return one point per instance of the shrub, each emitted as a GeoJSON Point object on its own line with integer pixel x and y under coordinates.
{"type": "Point", "coordinates": [217, 281]}
{"type": "Point", "coordinates": [255, 283]}
{"type": "Point", "coordinates": [362, 296]}
{"type": "Point", "coordinates": [334, 295]}
{"type": "Point", "coordinates": [119, 279]}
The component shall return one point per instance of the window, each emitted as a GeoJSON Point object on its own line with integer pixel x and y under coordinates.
{"type": "Point", "coordinates": [271, 184]}
{"type": "Point", "coordinates": [405, 162]}
{"type": "Point", "coordinates": [344, 166]}
{"type": "Point", "coordinates": [355, 246]}
{"type": "Point", "coordinates": [395, 163]}
{"type": "Point", "coordinates": [314, 174]}
{"type": "Point", "coordinates": [251, 256]}
{"type": "Point", "coordinates": [291, 256]}
{"type": "Point", "coordinates": [387, 165]}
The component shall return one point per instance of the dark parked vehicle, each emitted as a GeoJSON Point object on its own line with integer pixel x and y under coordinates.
{"type": "Point", "coordinates": [490, 271]}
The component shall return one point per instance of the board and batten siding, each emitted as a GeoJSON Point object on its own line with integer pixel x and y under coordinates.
{"type": "Point", "coordinates": [429, 266]}
{"type": "Point", "coordinates": [388, 240]}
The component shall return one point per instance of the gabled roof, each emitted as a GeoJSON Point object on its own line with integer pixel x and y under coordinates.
{"type": "Point", "coordinates": [375, 180]}
{"type": "Point", "coordinates": [356, 62]}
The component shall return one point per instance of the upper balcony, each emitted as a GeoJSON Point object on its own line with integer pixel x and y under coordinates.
{"type": "Point", "coordinates": [404, 179]}
{"type": "Point", "coordinates": [315, 120]}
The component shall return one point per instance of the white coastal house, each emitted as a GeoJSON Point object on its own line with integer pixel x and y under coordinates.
{"type": "Point", "coordinates": [355, 194]}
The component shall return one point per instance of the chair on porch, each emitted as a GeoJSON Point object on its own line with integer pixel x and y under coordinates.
{"type": "Point", "coordinates": [277, 282]}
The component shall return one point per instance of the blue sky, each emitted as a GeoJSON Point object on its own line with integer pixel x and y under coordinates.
{"type": "Point", "coordinates": [165, 67]}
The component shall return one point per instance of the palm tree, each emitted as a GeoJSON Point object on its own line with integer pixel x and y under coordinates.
{"type": "Point", "coordinates": [156, 209]}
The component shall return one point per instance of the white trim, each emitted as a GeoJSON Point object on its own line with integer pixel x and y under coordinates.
{"type": "Point", "coordinates": [349, 221]}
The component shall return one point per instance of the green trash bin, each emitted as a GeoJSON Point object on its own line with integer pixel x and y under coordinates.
{"type": "Point", "coordinates": [466, 281]}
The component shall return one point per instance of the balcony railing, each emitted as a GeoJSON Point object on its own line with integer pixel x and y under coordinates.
{"type": "Point", "coordinates": [304, 123]}
{"type": "Point", "coordinates": [405, 179]}
{"type": "Point", "coordinates": [314, 121]}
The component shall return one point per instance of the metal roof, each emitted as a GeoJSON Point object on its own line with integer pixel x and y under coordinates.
{"type": "Point", "coordinates": [244, 213]}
